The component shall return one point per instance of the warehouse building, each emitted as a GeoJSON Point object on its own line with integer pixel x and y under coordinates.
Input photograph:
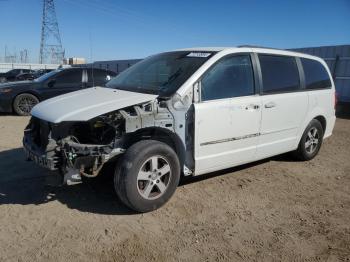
{"type": "Point", "coordinates": [338, 60]}
{"type": "Point", "coordinates": [116, 66]}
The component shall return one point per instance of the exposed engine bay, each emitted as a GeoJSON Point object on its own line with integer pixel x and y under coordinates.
{"type": "Point", "coordinates": [82, 148]}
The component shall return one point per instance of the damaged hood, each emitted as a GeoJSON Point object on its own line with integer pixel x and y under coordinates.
{"type": "Point", "coordinates": [86, 104]}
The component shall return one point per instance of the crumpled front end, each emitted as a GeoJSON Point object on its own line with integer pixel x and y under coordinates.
{"type": "Point", "coordinates": [81, 148]}
{"type": "Point", "coordinates": [74, 148]}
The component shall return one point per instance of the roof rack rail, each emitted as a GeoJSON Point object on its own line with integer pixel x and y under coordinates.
{"type": "Point", "coordinates": [257, 46]}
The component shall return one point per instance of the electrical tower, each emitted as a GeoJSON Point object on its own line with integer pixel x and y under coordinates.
{"type": "Point", "coordinates": [24, 56]}
{"type": "Point", "coordinates": [51, 50]}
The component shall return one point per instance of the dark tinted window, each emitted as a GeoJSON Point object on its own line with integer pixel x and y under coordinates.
{"type": "Point", "coordinates": [100, 77]}
{"type": "Point", "coordinates": [316, 75]}
{"type": "Point", "coordinates": [14, 72]}
{"type": "Point", "coordinates": [230, 77]}
{"type": "Point", "coordinates": [279, 73]}
{"type": "Point", "coordinates": [69, 77]}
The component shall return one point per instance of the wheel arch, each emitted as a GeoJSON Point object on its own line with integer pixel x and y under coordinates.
{"type": "Point", "coordinates": [27, 92]}
{"type": "Point", "coordinates": [24, 92]}
{"type": "Point", "coordinates": [316, 114]}
{"type": "Point", "coordinates": [160, 134]}
{"type": "Point", "coordinates": [323, 121]}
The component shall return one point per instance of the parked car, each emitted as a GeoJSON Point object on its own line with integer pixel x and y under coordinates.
{"type": "Point", "coordinates": [186, 112]}
{"type": "Point", "coordinates": [12, 74]}
{"type": "Point", "coordinates": [20, 97]}
{"type": "Point", "coordinates": [32, 75]}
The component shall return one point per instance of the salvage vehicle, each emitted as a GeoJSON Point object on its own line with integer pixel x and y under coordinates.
{"type": "Point", "coordinates": [32, 75]}
{"type": "Point", "coordinates": [20, 97]}
{"type": "Point", "coordinates": [185, 113]}
{"type": "Point", "coordinates": [12, 74]}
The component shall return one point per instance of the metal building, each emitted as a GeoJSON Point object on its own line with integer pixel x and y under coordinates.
{"type": "Point", "coordinates": [116, 66]}
{"type": "Point", "coordinates": [338, 60]}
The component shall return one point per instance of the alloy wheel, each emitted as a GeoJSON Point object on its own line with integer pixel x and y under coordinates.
{"type": "Point", "coordinates": [153, 177]}
{"type": "Point", "coordinates": [312, 140]}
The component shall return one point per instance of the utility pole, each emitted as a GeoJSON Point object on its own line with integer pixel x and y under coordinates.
{"type": "Point", "coordinates": [51, 50]}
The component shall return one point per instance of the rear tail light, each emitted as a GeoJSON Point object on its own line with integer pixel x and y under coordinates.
{"type": "Point", "coordinates": [335, 100]}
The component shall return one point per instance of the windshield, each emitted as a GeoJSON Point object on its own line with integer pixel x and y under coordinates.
{"type": "Point", "coordinates": [46, 76]}
{"type": "Point", "coordinates": [160, 74]}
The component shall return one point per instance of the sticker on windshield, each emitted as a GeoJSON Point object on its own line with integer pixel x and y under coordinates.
{"type": "Point", "coordinates": [198, 54]}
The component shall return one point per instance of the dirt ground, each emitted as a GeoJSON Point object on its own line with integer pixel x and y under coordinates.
{"type": "Point", "coordinates": [273, 210]}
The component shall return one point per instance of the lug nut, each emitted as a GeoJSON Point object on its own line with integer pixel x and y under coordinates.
{"type": "Point", "coordinates": [157, 181]}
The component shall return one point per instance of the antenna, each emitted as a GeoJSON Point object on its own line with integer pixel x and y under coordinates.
{"type": "Point", "coordinates": [92, 63]}
{"type": "Point", "coordinates": [51, 50]}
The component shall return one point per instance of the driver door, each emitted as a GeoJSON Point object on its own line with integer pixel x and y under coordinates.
{"type": "Point", "coordinates": [227, 117]}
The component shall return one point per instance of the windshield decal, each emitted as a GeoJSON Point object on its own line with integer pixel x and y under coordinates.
{"type": "Point", "coordinates": [198, 54]}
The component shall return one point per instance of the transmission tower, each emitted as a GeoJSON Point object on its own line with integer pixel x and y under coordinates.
{"type": "Point", "coordinates": [51, 50]}
{"type": "Point", "coordinates": [24, 56]}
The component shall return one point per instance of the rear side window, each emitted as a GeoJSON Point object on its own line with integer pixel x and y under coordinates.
{"type": "Point", "coordinates": [279, 73]}
{"type": "Point", "coordinates": [100, 77]}
{"type": "Point", "coordinates": [316, 75]}
{"type": "Point", "coordinates": [230, 77]}
{"type": "Point", "coordinates": [69, 77]}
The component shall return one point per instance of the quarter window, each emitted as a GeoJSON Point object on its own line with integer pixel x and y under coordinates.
{"type": "Point", "coordinates": [316, 75]}
{"type": "Point", "coordinates": [230, 77]}
{"type": "Point", "coordinates": [279, 73]}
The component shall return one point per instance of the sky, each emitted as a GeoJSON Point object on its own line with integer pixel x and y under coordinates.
{"type": "Point", "coordinates": [115, 29]}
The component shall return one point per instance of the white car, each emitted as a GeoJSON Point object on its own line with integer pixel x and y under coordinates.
{"type": "Point", "coordinates": [185, 112]}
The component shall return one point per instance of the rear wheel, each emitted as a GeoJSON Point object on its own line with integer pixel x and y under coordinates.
{"type": "Point", "coordinates": [310, 142]}
{"type": "Point", "coordinates": [147, 175]}
{"type": "Point", "coordinates": [24, 103]}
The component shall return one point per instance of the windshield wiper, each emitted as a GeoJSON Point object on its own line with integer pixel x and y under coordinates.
{"type": "Point", "coordinates": [173, 76]}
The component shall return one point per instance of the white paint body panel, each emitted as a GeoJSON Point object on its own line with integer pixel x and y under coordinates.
{"type": "Point", "coordinates": [280, 124]}
{"type": "Point", "coordinates": [281, 128]}
{"type": "Point", "coordinates": [217, 123]}
{"type": "Point", "coordinates": [86, 104]}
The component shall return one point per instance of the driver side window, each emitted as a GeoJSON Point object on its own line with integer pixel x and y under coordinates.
{"type": "Point", "coordinates": [230, 77]}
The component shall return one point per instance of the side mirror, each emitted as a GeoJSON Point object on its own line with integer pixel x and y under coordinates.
{"type": "Point", "coordinates": [196, 92]}
{"type": "Point", "coordinates": [51, 83]}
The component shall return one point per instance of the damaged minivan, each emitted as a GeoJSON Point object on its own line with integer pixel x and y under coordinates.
{"type": "Point", "coordinates": [185, 113]}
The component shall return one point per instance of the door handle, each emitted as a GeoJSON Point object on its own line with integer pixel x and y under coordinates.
{"type": "Point", "coordinates": [270, 105]}
{"type": "Point", "coordinates": [252, 106]}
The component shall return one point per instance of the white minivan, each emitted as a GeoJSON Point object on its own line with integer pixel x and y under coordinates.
{"type": "Point", "coordinates": [185, 113]}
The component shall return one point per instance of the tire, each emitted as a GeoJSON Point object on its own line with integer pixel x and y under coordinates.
{"type": "Point", "coordinates": [311, 141]}
{"type": "Point", "coordinates": [147, 175]}
{"type": "Point", "coordinates": [23, 104]}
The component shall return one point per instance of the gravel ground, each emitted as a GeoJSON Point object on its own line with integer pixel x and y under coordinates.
{"type": "Point", "coordinates": [273, 210]}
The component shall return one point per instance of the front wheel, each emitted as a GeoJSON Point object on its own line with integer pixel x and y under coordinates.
{"type": "Point", "coordinates": [147, 175]}
{"type": "Point", "coordinates": [24, 103]}
{"type": "Point", "coordinates": [311, 141]}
